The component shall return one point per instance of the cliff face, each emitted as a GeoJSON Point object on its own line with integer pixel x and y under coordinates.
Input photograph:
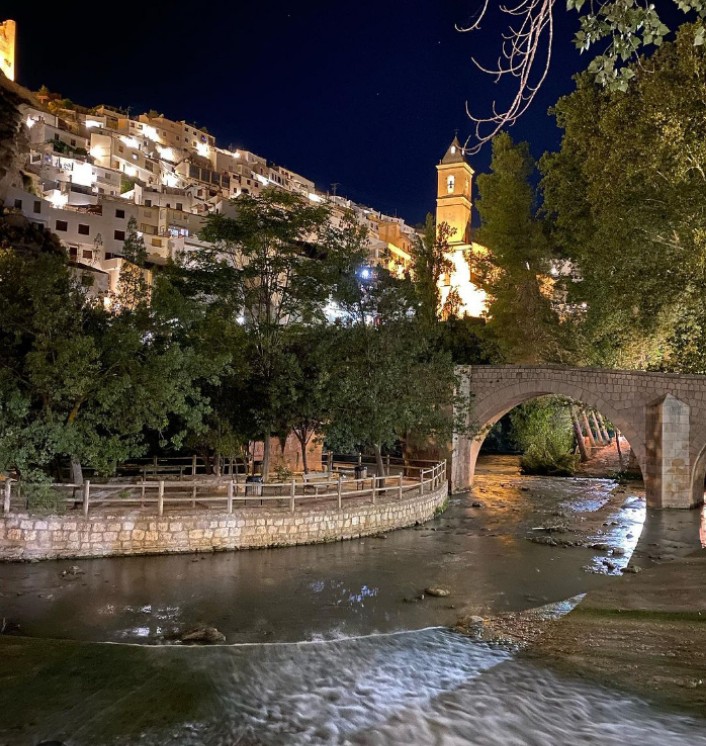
{"type": "Point", "coordinates": [13, 139]}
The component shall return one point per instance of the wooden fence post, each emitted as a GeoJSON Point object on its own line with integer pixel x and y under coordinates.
{"type": "Point", "coordinates": [160, 498]}
{"type": "Point", "coordinates": [292, 493]}
{"type": "Point", "coordinates": [340, 489]}
{"type": "Point", "coordinates": [229, 506]}
{"type": "Point", "coordinates": [399, 488]}
{"type": "Point", "coordinates": [8, 494]}
{"type": "Point", "coordinates": [86, 496]}
{"type": "Point", "coordinates": [193, 495]}
{"type": "Point", "coordinates": [193, 465]}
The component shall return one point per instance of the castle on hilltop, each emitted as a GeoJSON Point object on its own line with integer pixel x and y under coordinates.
{"type": "Point", "coordinates": [89, 171]}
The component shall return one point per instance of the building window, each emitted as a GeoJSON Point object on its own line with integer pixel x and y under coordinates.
{"type": "Point", "coordinates": [148, 203]}
{"type": "Point", "coordinates": [73, 143]}
{"type": "Point", "coordinates": [84, 230]}
{"type": "Point", "coordinates": [119, 235]}
{"type": "Point", "coordinates": [450, 184]}
{"type": "Point", "coordinates": [73, 252]}
{"type": "Point", "coordinates": [87, 254]}
{"type": "Point", "coordinates": [18, 204]}
{"type": "Point", "coordinates": [62, 225]}
{"type": "Point", "coordinates": [37, 206]}
{"type": "Point", "coordinates": [179, 206]}
{"type": "Point", "coordinates": [120, 213]}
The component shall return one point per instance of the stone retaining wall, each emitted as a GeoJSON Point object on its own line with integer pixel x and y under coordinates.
{"type": "Point", "coordinates": [24, 536]}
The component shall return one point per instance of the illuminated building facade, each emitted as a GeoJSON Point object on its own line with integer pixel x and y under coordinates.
{"type": "Point", "coordinates": [7, 48]}
{"type": "Point", "coordinates": [454, 204]}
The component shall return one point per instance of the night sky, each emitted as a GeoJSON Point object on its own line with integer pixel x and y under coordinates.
{"type": "Point", "coordinates": [366, 94]}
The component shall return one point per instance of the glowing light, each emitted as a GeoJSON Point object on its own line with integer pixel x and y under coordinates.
{"type": "Point", "coordinates": [30, 122]}
{"type": "Point", "coordinates": [170, 180]}
{"type": "Point", "coordinates": [130, 170]}
{"type": "Point", "coordinates": [92, 123]}
{"type": "Point", "coordinates": [203, 149]}
{"type": "Point", "coordinates": [166, 153]}
{"type": "Point", "coordinates": [97, 151]}
{"type": "Point", "coordinates": [83, 174]}
{"type": "Point", "coordinates": [58, 199]}
{"type": "Point", "coordinates": [131, 142]}
{"type": "Point", "coordinates": [262, 179]}
{"type": "Point", "coordinates": [315, 197]}
{"type": "Point", "coordinates": [150, 133]}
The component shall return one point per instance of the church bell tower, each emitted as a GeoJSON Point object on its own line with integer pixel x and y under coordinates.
{"type": "Point", "coordinates": [453, 194]}
{"type": "Point", "coordinates": [453, 207]}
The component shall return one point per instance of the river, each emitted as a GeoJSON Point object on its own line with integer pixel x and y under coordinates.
{"type": "Point", "coordinates": [338, 643]}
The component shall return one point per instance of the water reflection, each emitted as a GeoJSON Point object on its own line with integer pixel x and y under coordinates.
{"type": "Point", "coordinates": [478, 548]}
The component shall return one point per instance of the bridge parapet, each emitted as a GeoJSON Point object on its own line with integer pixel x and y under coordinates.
{"type": "Point", "coordinates": [663, 416]}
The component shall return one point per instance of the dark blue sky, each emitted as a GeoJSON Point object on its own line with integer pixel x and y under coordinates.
{"type": "Point", "coordinates": [366, 94]}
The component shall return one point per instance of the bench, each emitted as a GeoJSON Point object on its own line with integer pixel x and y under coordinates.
{"type": "Point", "coordinates": [311, 478]}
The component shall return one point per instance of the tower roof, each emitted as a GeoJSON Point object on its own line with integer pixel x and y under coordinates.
{"type": "Point", "coordinates": [455, 153]}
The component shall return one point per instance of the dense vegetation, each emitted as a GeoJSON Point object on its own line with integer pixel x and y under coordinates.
{"type": "Point", "coordinates": [230, 346]}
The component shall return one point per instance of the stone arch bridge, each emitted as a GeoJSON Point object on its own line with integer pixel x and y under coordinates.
{"type": "Point", "coordinates": [662, 415]}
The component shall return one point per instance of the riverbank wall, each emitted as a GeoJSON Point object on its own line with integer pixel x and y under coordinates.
{"type": "Point", "coordinates": [25, 536]}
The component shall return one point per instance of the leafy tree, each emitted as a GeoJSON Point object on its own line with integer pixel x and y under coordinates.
{"type": "Point", "coordinates": [543, 431]}
{"type": "Point", "coordinates": [133, 287]}
{"type": "Point", "coordinates": [390, 385]}
{"type": "Point", "coordinates": [313, 385]}
{"type": "Point", "coordinates": [620, 28]}
{"type": "Point", "coordinates": [430, 262]}
{"type": "Point", "coordinates": [625, 194]}
{"type": "Point", "coordinates": [515, 272]}
{"type": "Point", "coordinates": [77, 382]}
{"type": "Point", "coordinates": [266, 259]}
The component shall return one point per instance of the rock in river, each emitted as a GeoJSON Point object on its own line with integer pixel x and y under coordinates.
{"type": "Point", "coordinates": [437, 591]}
{"type": "Point", "coordinates": [202, 636]}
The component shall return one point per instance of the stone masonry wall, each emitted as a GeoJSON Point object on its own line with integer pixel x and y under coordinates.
{"type": "Point", "coordinates": [25, 537]}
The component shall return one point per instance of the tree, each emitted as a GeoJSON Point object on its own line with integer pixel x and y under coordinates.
{"type": "Point", "coordinates": [542, 429]}
{"type": "Point", "coordinates": [133, 287]}
{"type": "Point", "coordinates": [430, 262]}
{"type": "Point", "coordinates": [390, 384]}
{"type": "Point", "coordinates": [622, 27]}
{"type": "Point", "coordinates": [268, 260]}
{"type": "Point", "coordinates": [515, 272]}
{"type": "Point", "coordinates": [77, 382]}
{"type": "Point", "coordinates": [313, 385]}
{"type": "Point", "coordinates": [625, 197]}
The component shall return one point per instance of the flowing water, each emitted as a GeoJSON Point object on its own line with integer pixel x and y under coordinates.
{"type": "Point", "coordinates": [337, 643]}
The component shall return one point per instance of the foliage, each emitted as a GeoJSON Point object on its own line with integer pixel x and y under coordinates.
{"type": "Point", "coordinates": [620, 28]}
{"type": "Point", "coordinates": [430, 262]}
{"type": "Point", "coordinates": [515, 273]}
{"type": "Point", "coordinates": [625, 194]}
{"type": "Point", "coordinates": [266, 268]}
{"type": "Point", "coordinates": [543, 432]}
{"type": "Point", "coordinates": [78, 382]}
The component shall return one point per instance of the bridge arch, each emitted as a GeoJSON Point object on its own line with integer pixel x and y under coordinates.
{"type": "Point", "coordinates": [487, 410]}
{"type": "Point", "coordinates": [662, 415]}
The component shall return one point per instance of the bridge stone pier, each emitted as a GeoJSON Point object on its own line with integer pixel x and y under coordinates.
{"type": "Point", "coordinates": [662, 415]}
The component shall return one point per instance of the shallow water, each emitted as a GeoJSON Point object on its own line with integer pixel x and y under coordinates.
{"type": "Point", "coordinates": [352, 661]}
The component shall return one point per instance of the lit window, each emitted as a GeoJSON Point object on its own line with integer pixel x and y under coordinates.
{"type": "Point", "coordinates": [450, 184]}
